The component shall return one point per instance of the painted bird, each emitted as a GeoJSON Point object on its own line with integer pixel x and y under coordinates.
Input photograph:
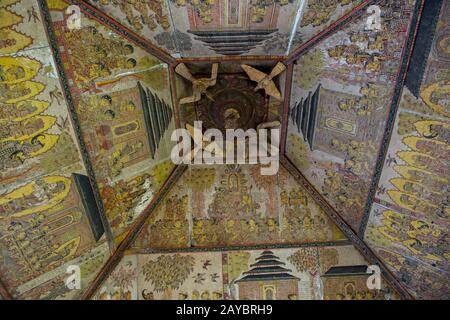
{"type": "Point", "coordinates": [265, 80]}
{"type": "Point", "coordinates": [199, 278]}
{"type": "Point", "coordinates": [206, 264]}
{"type": "Point", "coordinates": [214, 277]}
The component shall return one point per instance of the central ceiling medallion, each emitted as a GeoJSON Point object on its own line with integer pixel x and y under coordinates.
{"type": "Point", "coordinates": [234, 104]}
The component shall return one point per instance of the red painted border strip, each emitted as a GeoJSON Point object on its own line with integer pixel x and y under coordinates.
{"type": "Point", "coordinates": [232, 58]}
{"type": "Point", "coordinates": [232, 247]}
{"type": "Point", "coordinates": [175, 104]}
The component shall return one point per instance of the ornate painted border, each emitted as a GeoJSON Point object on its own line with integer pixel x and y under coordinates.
{"type": "Point", "coordinates": [175, 104]}
{"type": "Point", "coordinates": [240, 248]}
{"type": "Point", "coordinates": [285, 112]}
{"type": "Point", "coordinates": [233, 59]}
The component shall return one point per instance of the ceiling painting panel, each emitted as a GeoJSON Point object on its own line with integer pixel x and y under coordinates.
{"type": "Point", "coordinates": [317, 15]}
{"type": "Point", "coordinates": [235, 206]}
{"type": "Point", "coordinates": [306, 273]}
{"type": "Point", "coordinates": [209, 28]}
{"type": "Point", "coordinates": [48, 213]}
{"type": "Point", "coordinates": [123, 102]}
{"type": "Point", "coordinates": [409, 221]}
{"type": "Point", "coordinates": [233, 27]}
{"type": "Point", "coordinates": [86, 118]}
{"type": "Point", "coordinates": [341, 96]}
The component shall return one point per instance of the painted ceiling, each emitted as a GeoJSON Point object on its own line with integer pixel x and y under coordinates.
{"type": "Point", "coordinates": [86, 179]}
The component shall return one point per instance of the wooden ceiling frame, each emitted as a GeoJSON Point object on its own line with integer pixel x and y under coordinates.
{"type": "Point", "coordinates": [289, 61]}
{"type": "Point", "coordinates": [138, 224]}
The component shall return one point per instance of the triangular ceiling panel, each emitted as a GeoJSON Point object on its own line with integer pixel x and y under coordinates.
{"type": "Point", "coordinates": [209, 28]}
{"type": "Point", "coordinates": [192, 29]}
{"type": "Point", "coordinates": [343, 107]}
{"type": "Point", "coordinates": [220, 227]}
{"type": "Point", "coordinates": [236, 206]}
{"type": "Point", "coordinates": [303, 273]}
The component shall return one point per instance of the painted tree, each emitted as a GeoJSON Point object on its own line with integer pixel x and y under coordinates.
{"type": "Point", "coordinates": [237, 263]}
{"type": "Point", "coordinates": [311, 64]}
{"type": "Point", "coordinates": [328, 257]}
{"type": "Point", "coordinates": [200, 180]}
{"type": "Point", "coordinates": [123, 277]}
{"type": "Point", "coordinates": [298, 152]}
{"type": "Point", "coordinates": [306, 260]}
{"type": "Point", "coordinates": [168, 272]}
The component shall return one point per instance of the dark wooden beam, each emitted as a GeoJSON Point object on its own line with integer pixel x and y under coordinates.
{"type": "Point", "coordinates": [285, 112]}
{"type": "Point", "coordinates": [242, 58]}
{"type": "Point", "coordinates": [175, 104]}
{"type": "Point", "coordinates": [133, 231]}
{"type": "Point", "coordinates": [330, 30]}
{"type": "Point", "coordinates": [346, 229]}
{"type": "Point", "coordinates": [109, 22]}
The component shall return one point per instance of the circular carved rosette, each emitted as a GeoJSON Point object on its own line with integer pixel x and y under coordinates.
{"type": "Point", "coordinates": [235, 105]}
